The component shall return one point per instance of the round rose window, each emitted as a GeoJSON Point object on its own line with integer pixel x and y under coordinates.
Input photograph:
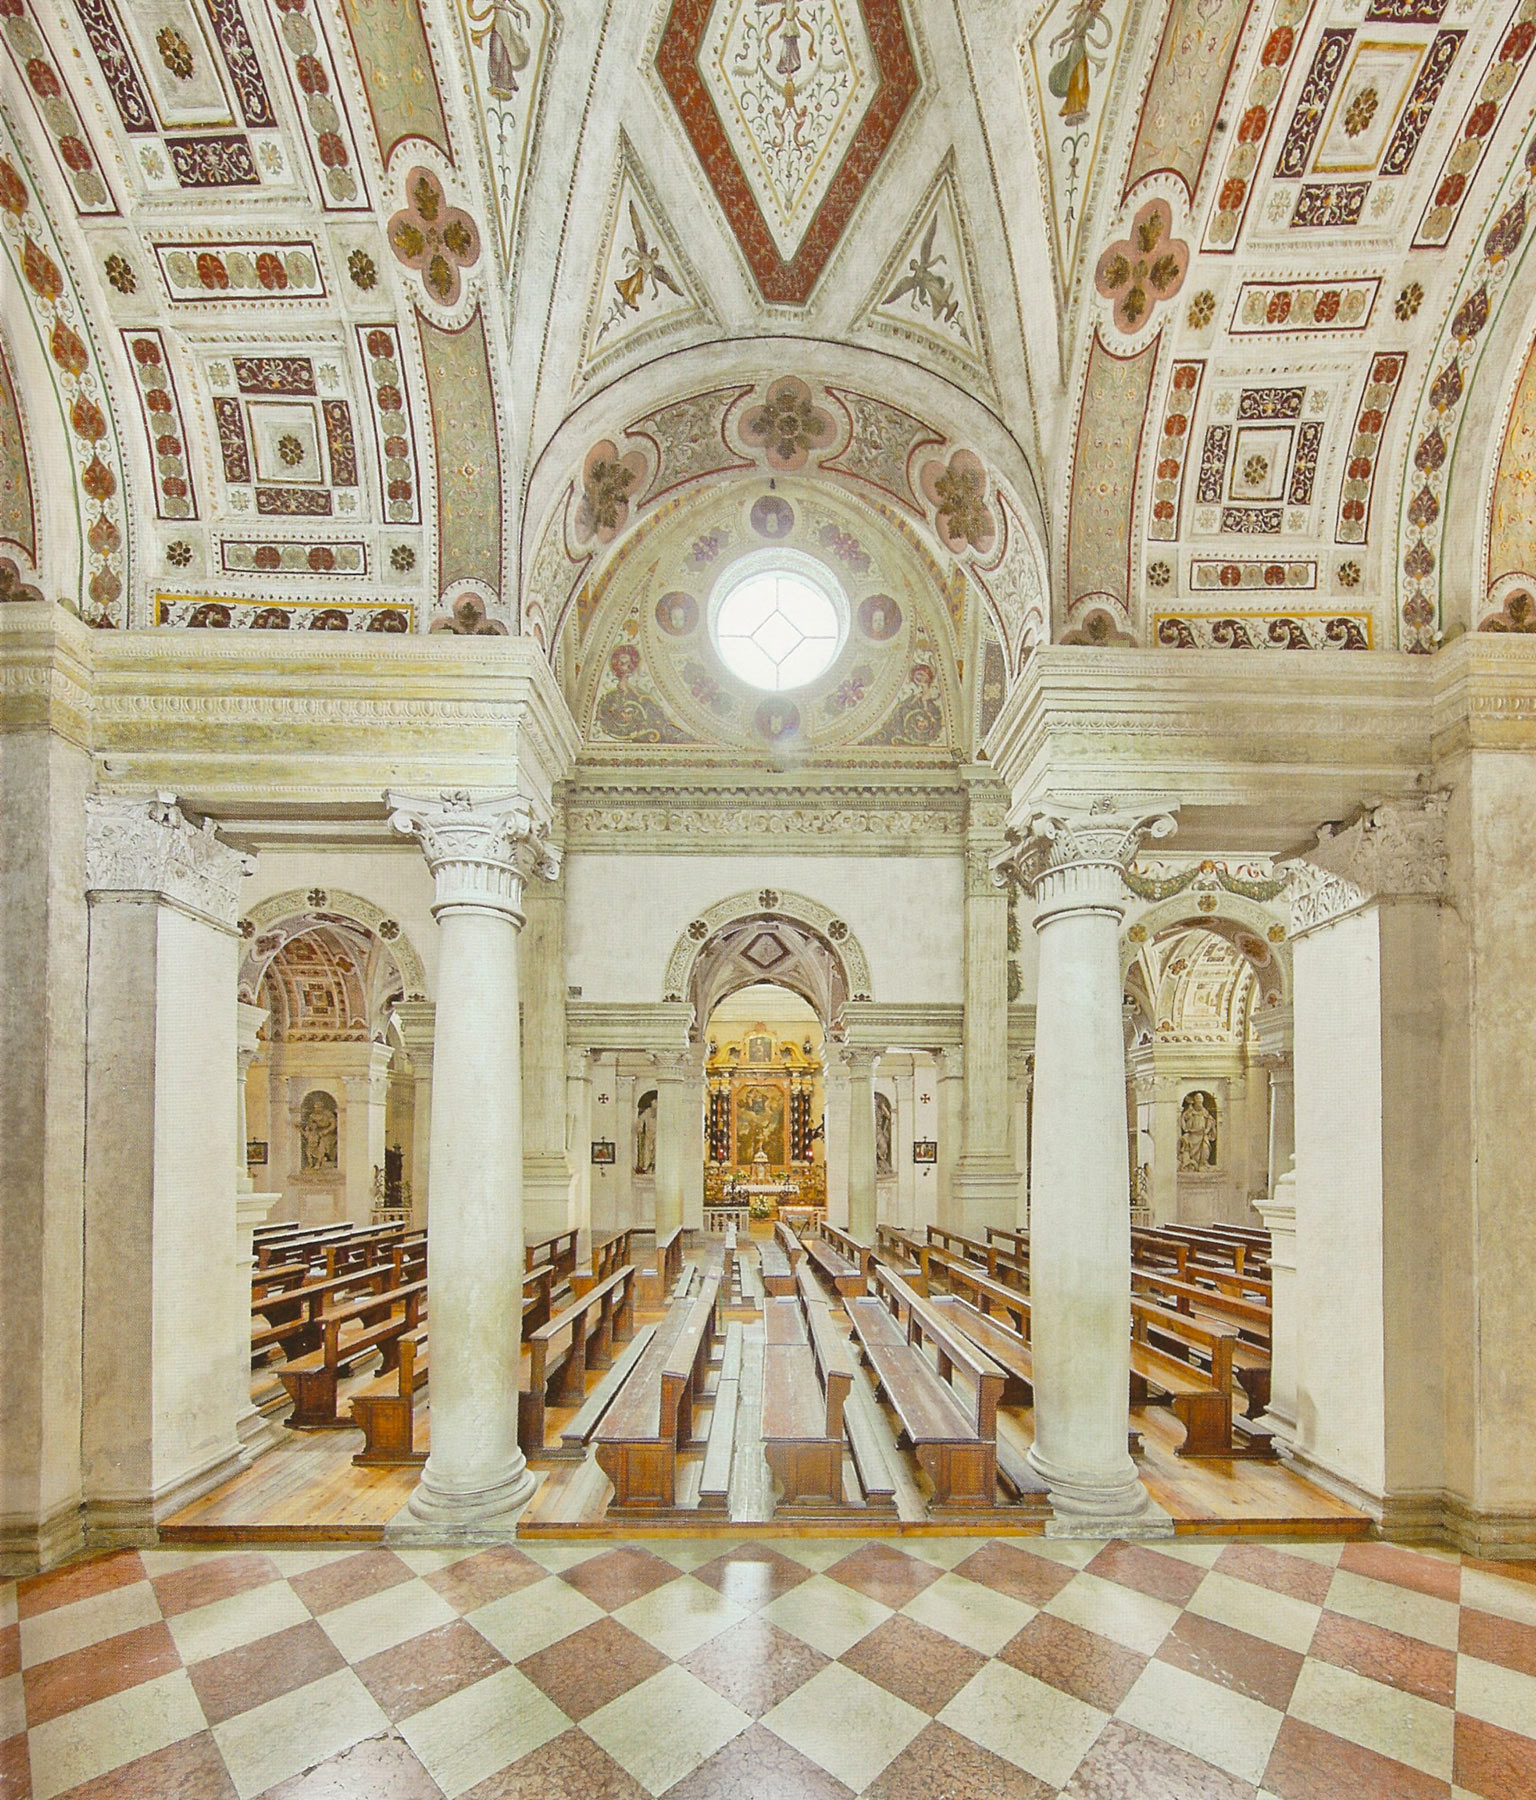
{"type": "Point", "coordinates": [778, 620]}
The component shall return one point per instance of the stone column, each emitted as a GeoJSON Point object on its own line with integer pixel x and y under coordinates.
{"type": "Point", "coordinates": [1281, 1069]}
{"type": "Point", "coordinates": [481, 853]}
{"type": "Point", "coordinates": [902, 1134]}
{"type": "Point", "coordinates": [415, 1021]}
{"type": "Point", "coordinates": [549, 1160]}
{"type": "Point", "coordinates": [951, 1114]}
{"type": "Point", "coordinates": [255, 1432]}
{"type": "Point", "coordinates": [861, 1142]}
{"type": "Point", "coordinates": [672, 1137]}
{"type": "Point", "coordinates": [1080, 1239]}
{"type": "Point", "coordinates": [986, 1180]}
{"type": "Point", "coordinates": [1164, 1195]}
{"type": "Point", "coordinates": [695, 1096]}
{"type": "Point", "coordinates": [578, 1145]}
{"type": "Point", "coordinates": [367, 1092]}
{"type": "Point", "coordinates": [1279, 1216]}
{"type": "Point", "coordinates": [1022, 1074]}
{"type": "Point", "coordinates": [162, 1161]}
{"type": "Point", "coordinates": [622, 1176]}
{"type": "Point", "coordinates": [834, 1077]}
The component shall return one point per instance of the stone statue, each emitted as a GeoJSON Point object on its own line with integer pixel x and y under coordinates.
{"type": "Point", "coordinates": [317, 1134]}
{"type": "Point", "coordinates": [645, 1135]}
{"type": "Point", "coordinates": [1197, 1134]}
{"type": "Point", "coordinates": [884, 1132]}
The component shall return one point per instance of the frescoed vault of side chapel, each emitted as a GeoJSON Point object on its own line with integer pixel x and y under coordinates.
{"type": "Point", "coordinates": [1201, 317]}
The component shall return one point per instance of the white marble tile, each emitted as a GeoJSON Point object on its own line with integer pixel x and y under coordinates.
{"type": "Point", "coordinates": [1278, 1618]}
{"type": "Point", "coordinates": [428, 1562]}
{"type": "Point", "coordinates": [969, 1613]}
{"type": "Point", "coordinates": [13, 1708]}
{"type": "Point", "coordinates": [534, 1618]}
{"type": "Point", "coordinates": [272, 1742]}
{"type": "Point", "coordinates": [378, 1622]}
{"type": "Point", "coordinates": [556, 1557]}
{"type": "Point", "coordinates": [1119, 1613]}
{"type": "Point", "coordinates": [1395, 1608]}
{"type": "Point", "coordinates": [1209, 1721]}
{"type": "Point", "coordinates": [944, 1552]}
{"type": "Point", "coordinates": [1499, 1594]}
{"type": "Point", "coordinates": [848, 1725]}
{"type": "Point", "coordinates": [821, 1553]}
{"type": "Point", "coordinates": [480, 1729]}
{"type": "Point", "coordinates": [1201, 1552]}
{"type": "Point", "coordinates": [1378, 1717]}
{"type": "Point", "coordinates": [242, 1619]}
{"type": "Point", "coordinates": [81, 1745]}
{"type": "Point", "coordinates": [664, 1728]}
{"type": "Point", "coordinates": [679, 1617]}
{"type": "Point", "coordinates": [826, 1615]}
{"type": "Point", "coordinates": [289, 1563]}
{"type": "Point", "coordinates": [87, 1622]}
{"type": "Point", "coordinates": [7, 1604]}
{"type": "Point", "coordinates": [690, 1553]}
{"type": "Point", "coordinates": [1496, 1695]}
{"type": "Point", "coordinates": [1034, 1726]}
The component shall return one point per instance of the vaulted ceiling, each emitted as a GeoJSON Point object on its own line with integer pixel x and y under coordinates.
{"type": "Point", "coordinates": [1179, 323]}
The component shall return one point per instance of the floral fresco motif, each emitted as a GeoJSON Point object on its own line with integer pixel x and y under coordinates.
{"type": "Point", "coordinates": [629, 712]}
{"type": "Point", "coordinates": [1144, 268]}
{"type": "Point", "coordinates": [917, 718]}
{"type": "Point", "coordinates": [438, 240]}
{"type": "Point", "coordinates": [957, 491]}
{"type": "Point", "coordinates": [789, 425]}
{"type": "Point", "coordinates": [467, 618]}
{"type": "Point", "coordinates": [608, 487]}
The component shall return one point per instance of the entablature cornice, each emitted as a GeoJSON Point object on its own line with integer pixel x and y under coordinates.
{"type": "Point", "coordinates": [656, 1027]}
{"type": "Point", "coordinates": [898, 1025]}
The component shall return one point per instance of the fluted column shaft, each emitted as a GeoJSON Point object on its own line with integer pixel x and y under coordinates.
{"type": "Point", "coordinates": [480, 853]}
{"type": "Point", "coordinates": [1080, 1238]}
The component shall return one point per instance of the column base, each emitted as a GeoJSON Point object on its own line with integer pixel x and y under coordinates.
{"type": "Point", "coordinates": [31, 1546]}
{"type": "Point", "coordinates": [986, 1192]}
{"type": "Point", "coordinates": [1100, 1509]}
{"type": "Point", "coordinates": [437, 1515]}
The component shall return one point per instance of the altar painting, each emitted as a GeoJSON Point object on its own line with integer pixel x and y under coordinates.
{"type": "Point", "coordinates": [760, 1123]}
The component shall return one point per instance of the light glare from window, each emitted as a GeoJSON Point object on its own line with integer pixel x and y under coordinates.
{"type": "Point", "coordinates": [777, 630]}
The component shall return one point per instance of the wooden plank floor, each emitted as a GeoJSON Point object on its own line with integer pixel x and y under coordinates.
{"type": "Point", "coordinates": [307, 1488]}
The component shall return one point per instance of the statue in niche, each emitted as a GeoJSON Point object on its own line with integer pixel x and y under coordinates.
{"type": "Point", "coordinates": [885, 1124]}
{"type": "Point", "coordinates": [1197, 1133]}
{"type": "Point", "coordinates": [645, 1134]}
{"type": "Point", "coordinates": [317, 1134]}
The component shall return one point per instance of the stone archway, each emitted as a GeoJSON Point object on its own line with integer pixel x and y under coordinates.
{"type": "Point", "coordinates": [796, 934]}
{"type": "Point", "coordinates": [307, 907]}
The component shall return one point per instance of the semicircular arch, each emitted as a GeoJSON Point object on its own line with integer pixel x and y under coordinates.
{"type": "Point", "coordinates": [1246, 924]}
{"type": "Point", "coordinates": [766, 904]}
{"type": "Point", "coordinates": [326, 906]}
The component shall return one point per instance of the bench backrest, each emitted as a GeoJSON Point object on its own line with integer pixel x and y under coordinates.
{"type": "Point", "coordinates": [954, 1350]}
{"type": "Point", "coordinates": [834, 1362]}
{"type": "Point", "coordinates": [617, 1283]}
{"type": "Point", "coordinates": [1202, 1334]}
{"type": "Point", "coordinates": [860, 1255]}
{"type": "Point", "coordinates": [787, 1241]}
{"type": "Point", "coordinates": [989, 1295]}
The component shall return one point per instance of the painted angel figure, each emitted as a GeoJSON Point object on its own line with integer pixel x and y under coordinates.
{"type": "Point", "coordinates": [500, 25]}
{"type": "Point", "coordinates": [1085, 35]}
{"type": "Point", "coordinates": [643, 261]}
{"type": "Point", "coordinates": [926, 286]}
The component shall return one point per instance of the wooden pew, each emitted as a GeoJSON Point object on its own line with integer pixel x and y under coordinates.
{"type": "Point", "coordinates": [728, 1264]}
{"type": "Point", "coordinates": [538, 1298]}
{"type": "Point", "coordinates": [556, 1252]}
{"type": "Point", "coordinates": [715, 1480]}
{"type": "Point", "coordinates": [955, 1440]}
{"type": "Point", "coordinates": [296, 1246]}
{"type": "Point", "coordinates": [1251, 1353]}
{"type": "Point", "coordinates": [998, 1263]}
{"type": "Point", "coordinates": [591, 1325]}
{"type": "Point", "coordinates": [638, 1439]}
{"type": "Point", "coordinates": [846, 1273]}
{"type": "Point", "coordinates": [834, 1354]}
{"type": "Point", "coordinates": [1007, 1342]}
{"type": "Point", "coordinates": [906, 1251]}
{"type": "Point", "coordinates": [861, 1255]}
{"type": "Point", "coordinates": [363, 1249]}
{"type": "Point", "coordinates": [789, 1242]}
{"type": "Point", "coordinates": [669, 1258]}
{"type": "Point", "coordinates": [385, 1410]}
{"type": "Point", "coordinates": [292, 1315]}
{"type": "Point", "coordinates": [802, 1416]}
{"type": "Point", "coordinates": [778, 1276]}
{"type": "Point", "coordinates": [311, 1380]}
{"type": "Point", "coordinates": [1161, 1345]}
{"type": "Point", "coordinates": [1015, 1243]}
{"type": "Point", "coordinates": [611, 1255]}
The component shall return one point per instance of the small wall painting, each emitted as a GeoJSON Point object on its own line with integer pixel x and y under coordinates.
{"type": "Point", "coordinates": [255, 1153]}
{"type": "Point", "coordinates": [925, 1150]}
{"type": "Point", "coordinates": [879, 618]}
{"type": "Point", "coordinates": [605, 1153]}
{"type": "Point", "coordinates": [773, 518]}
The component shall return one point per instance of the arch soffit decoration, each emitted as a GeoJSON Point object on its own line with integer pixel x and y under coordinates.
{"type": "Point", "coordinates": [333, 906]}
{"type": "Point", "coordinates": [1232, 918]}
{"type": "Point", "coordinates": [768, 903]}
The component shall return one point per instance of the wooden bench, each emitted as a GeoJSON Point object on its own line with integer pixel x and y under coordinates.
{"type": "Point", "coordinates": [611, 1255]}
{"type": "Point", "coordinates": [385, 1409]}
{"type": "Point", "coordinates": [311, 1380]}
{"type": "Point", "coordinates": [296, 1247]}
{"type": "Point", "coordinates": [788, 1240]}
{"type": "Point", "coordinates": [292, 1314]}
{"type": "Point", "coordinates": [1201, 1398]}
{"type": "Point", "coordinates": [715, 1480]}
{"type": "Point", "coordinates": [362, 1250]}
{"type": "Point", "coordinates": [1014, 1243]}
{"type": "Point", "coordinates": [669, 1257]}
{"type": "Point", "coordinates": [728, 1264]}
{"type": "Point", "coordinates": [591, 1325]}
{"type": "Point", "coordinates": [638, 1438]}
{"type": "Point", "coordinates": [556, 1252]}
{"type": "Point", "coordinates": [998, 1263]}
{"type": "Point", "coordinates": [846, 1275]}
{"type": "Point", "coordinates": [955, 1441]}
{"type": "Point", "coordinates": [1251, 1353]}
{"type": "Point", "coordinates": [802, 1412]}
{"type": "Point", "coordinates": [906, 1251]}
{"type": "Point", "coordinates": [778, 1276]}
{"type": "Point", "coordinates": [538, 1298]}
{"type": "Point", "coordinates": [833, 1353]}
{"type": "Point", "coordinates": [1007, 1343]}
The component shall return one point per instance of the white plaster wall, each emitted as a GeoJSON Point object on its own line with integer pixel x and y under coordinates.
{"type": "Point", "coordinates": [1340, 1389]}
{"type": "Point", "coordinates": [626, 913]}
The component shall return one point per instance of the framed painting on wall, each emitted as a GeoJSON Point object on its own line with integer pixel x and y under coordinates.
{"type": "Point", "coordinates": [255, 1153]}
{"type": "Point", "coordinates": [925, 1150]}
{"type": "Point", "coordinates": [605, 1152]}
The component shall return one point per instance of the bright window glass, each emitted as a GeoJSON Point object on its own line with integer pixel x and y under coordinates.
{"type": "Point", "coordinates": [777, 627]}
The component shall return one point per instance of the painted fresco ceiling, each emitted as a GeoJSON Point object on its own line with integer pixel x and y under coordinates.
{"type": "Point", "coordinates": [1173, 323]}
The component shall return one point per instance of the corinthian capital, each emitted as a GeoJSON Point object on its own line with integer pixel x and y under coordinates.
{"type": "Point", "coordinates": [150, 847]}
{"type": "Point", "coordinates": [1391, 852]}
{"type": "Point", "coordinates": [481, 848]}
{"type": "Point", "coordinates": [1073, 856]}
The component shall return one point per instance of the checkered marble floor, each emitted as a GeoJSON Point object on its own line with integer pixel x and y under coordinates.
{"type": "Point", "coordinates": [797, 1669]}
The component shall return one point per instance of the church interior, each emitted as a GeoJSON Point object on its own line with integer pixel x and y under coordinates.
{"type": "Point", "coordinates": [842, 1111]}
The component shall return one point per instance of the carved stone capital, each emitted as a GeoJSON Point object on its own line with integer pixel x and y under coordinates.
{"type": "Point", "coordinates": [135, 846]}
{"type": "Point", "coordinates": [859, 1061]}
{"type": "Point", "coordinates": [416, 1021]}
{"type": "Point", "coordinates": [1075, 860]}
{"type": "Point", "coordinates": [1391, 852]}
{"type": "Point", "coordinates": [671, 1065]}
{"type": "Point", "coordinates": [481, 849]}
